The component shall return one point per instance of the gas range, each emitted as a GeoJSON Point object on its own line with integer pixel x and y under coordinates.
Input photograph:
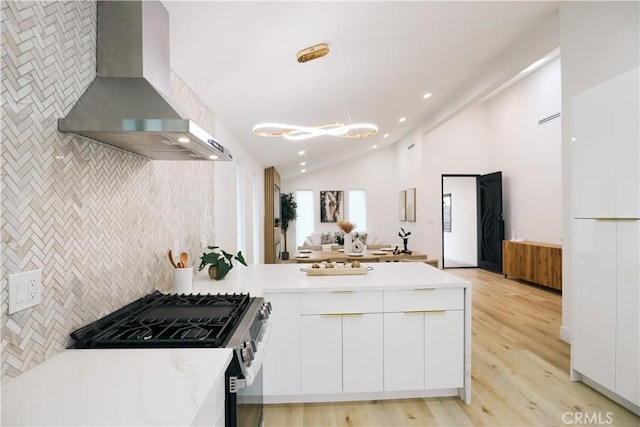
{"type": "Point", "coordinates": [187, 320]}
{"type": "Point", "coordinates": [236, 321]}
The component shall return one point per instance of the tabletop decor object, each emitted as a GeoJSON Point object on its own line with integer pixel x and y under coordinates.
{"type": "Point", "coordinates": [219, 261]}
{"type": "Point", "coordinates": [404, 235]}
{"type": "Point", "coordinates": [326, 268]}
{"type": "Point", "coordinates": [347, 227]}
{"type": "Point", "coordinates": [357, 246]}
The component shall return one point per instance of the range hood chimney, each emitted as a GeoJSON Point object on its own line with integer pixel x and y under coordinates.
{"type": "Point", "coordinates": [125, 105]}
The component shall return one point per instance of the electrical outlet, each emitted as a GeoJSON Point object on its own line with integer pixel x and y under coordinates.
{"type": "Point", "coordinates": [25, 290]}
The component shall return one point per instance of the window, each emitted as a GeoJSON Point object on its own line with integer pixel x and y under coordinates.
{"type": "Point", "coordinates": [256, 202]}
{"type": "Point", "coordinates": [357, 208]}
{"type": "Point", "coordinates": [241, 225]}
{"type": "Point", "coordinates": [305, 222]}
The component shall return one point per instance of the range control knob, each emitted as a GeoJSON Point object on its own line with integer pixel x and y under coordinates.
{"type": "Point", "coordinates": [246, 354]}
{"type": "Point", "coordinates": [252, 345]}
{"type": "Point", "coordinates": [268, 306]}
{"type": "Point", "coordinates": [264, 314]}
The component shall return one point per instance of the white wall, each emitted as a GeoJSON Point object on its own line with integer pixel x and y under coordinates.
{"type": "Point", "coordinates": [529, 155]}
{"type": "Point", "coordinates": [461, 244]}
{"type": "Point", "coordinates": [599, 40]}
{"type": "Point", "coordinates": [374, 172]}
{"type": "Point", "coordinates": [227, 175]}
{"type": "Point", "coordinates": [502, 134]}
{"type": "Point", "coordinates": [458, 147]}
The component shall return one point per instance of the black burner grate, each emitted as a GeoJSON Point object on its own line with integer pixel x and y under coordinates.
{"type": "Point", "coordinates": [170, 320]}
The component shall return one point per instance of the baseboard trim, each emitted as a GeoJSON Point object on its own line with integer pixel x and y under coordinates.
{"type": "Point", "coordinates": [349, 397]}
{"type": "Point", "coordinates": [565, 334]}
{"type": "Point", "coordinates": [611, 395]}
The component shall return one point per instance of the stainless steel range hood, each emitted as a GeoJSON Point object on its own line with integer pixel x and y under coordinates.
{"type": "Point", "coordinates": [125, 105]}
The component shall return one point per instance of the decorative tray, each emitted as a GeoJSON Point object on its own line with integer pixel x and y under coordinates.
{"type": "Point", "coordinates": [336, 271]}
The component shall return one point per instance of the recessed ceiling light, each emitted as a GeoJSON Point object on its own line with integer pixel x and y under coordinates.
{"type": "Point", "coordinates": [426, 95]}
{"type": "Point", "coordinates": [300, 153]}
{"type": "Point", "coordinates": [303, 171]}
{"type": "Point", "coordinates": [386, 135]}
{"type": "Point", "coordinates": [374, 147]}
{"type": "Point", "coordinates": [213, 157]}
{"type": "Point", "coordinates": [402, 119]}
{"type": "Point", "coordinates": [303, 163]}
{"type": "Point", "coordinates": [183, 139]}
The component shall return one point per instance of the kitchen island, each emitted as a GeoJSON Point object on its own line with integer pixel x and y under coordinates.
{"type": "Point", "coordinates": [402, 330]}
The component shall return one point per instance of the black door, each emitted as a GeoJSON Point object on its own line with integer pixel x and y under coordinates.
{"type": "Point", "coordinates": [490, 222]}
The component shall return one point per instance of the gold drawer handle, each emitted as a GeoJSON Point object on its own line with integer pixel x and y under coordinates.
{"type": "Point", "coordinates": [424, 312]}
{"type": "Point", "coordinates": [617, 218]}
{"type": "Point", "coordinates": [353, 314]}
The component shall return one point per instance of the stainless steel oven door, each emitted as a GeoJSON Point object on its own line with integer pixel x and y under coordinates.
{"type": "Point", "coordinates": [244, 397]}
{"type": "Point", "coordinates": [249, 403]}
{"type": "Point", "coordinates": [245, 394]}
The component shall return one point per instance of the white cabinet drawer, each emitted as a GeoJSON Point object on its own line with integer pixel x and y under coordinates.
{"type": "Point", "coordinates": [423, 299]}
{"type": "Point", "coordinates": [341, 302]}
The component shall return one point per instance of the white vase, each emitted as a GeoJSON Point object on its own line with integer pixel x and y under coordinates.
{"type": "Point", "coordinates": [348, 239]}
{"type": "Point", "coordinates": [357, 247]}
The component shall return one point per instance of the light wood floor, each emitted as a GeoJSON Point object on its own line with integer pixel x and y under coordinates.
{"type": "Point", "coordinates": [519, 373]}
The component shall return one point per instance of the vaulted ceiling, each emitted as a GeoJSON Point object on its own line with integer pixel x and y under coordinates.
{"type": "Point", "coordinates": [240, 58]}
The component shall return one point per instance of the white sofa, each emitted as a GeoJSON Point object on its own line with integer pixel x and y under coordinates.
{"type": "Point", "coordinates": [329, 238]}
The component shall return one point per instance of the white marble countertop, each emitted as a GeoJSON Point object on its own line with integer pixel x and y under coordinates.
{"type": "Point", "coordinates": [262, 279]}
{"type": "Point", "coordinates": [133, 387]}
{"type": "Point", "coordinates": [153, 387]}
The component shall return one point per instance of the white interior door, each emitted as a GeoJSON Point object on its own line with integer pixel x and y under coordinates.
{"type": "Point", "coordinates": [460, 225]}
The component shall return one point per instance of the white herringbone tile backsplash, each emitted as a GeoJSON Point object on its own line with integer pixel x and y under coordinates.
{"type": "Point", "coordinates": [97, 221]}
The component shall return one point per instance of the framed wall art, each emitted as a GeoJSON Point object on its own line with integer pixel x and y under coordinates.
{"type": "Point", "coordinates": [402, 205]}
{"type": "Point", "coordinates": [411, 205]}
{"type": "Point", "coordinates": [331, 206]}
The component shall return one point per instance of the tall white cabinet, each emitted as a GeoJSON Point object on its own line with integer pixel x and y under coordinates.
{"type": "Point", "coordinates": [606, 238]}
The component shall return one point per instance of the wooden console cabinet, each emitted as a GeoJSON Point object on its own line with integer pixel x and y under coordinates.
{"type": "Point", "coordinates": [539, 263]}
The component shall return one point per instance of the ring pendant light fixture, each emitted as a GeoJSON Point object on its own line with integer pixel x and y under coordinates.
{"type": "Point", "coordinates": [293, 132]}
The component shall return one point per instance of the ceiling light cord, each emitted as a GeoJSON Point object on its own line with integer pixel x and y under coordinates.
{"type": "Point", "coordinates": [341, 103]}
{"type": "Point", "coordinates": [282, 118]}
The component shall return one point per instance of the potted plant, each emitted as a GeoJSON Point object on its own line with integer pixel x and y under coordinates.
{"type": "Point", "coordinates": [219, 261]}
{"type": "Point", "coordinates": [288, 213]}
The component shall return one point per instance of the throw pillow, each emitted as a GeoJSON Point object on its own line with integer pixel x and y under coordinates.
{"type": "Point", "coordinates": [326, 239]}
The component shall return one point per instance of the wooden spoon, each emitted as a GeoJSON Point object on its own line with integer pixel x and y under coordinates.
{"type": "Point", "coordinates": [173, 262]}
{"type": "Point", "coordinates": [184, 259]}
